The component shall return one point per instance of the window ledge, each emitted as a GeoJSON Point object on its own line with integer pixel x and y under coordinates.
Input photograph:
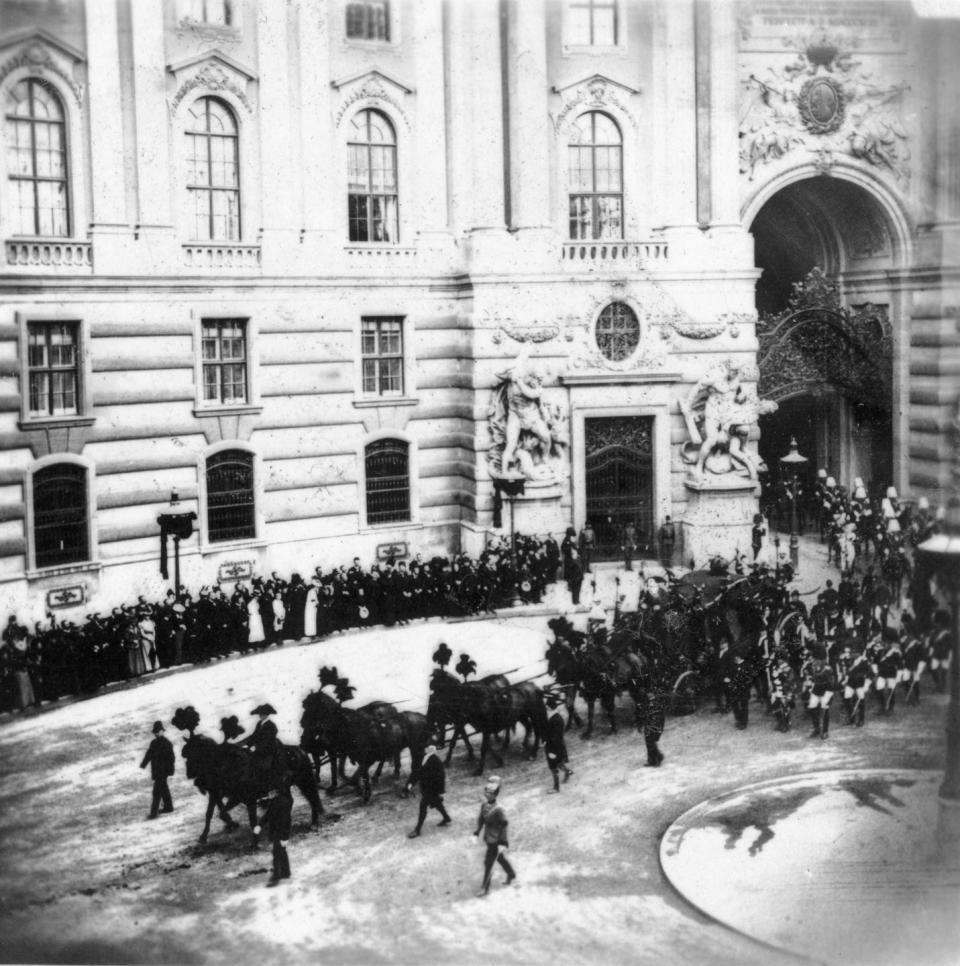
{"type": "Point", "coordinates": [397, 526]}
{"type": "Point", "coordinates": [373, 403]}
{"type": "Point", "coordinates": [367, 44]}
{"type": "Point", "coordinates": [232, 546]}
{"type": "Point", "coordinates": [599, 49]}
{"type": "Point", "coordinates": [63, 570]}
{"type": "Point", "coordinates": [55, 422]}
{"type": "Point", "coordinates": [245, 410]}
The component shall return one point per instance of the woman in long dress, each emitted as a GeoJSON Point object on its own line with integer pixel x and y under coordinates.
{"type": "Point", "coordinates": [255, 635]}
{"type": "Point", "coordinates": [310, 611]}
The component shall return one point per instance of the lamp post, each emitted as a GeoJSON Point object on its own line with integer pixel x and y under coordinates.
{"type": "Point", "coordinates": [941, 554]}
{"type": "Point", "coordinates": [792, 464]}
{"type": "Point", "coordinates": [180, 527]}
{"type": "Point", "coordinates": [510, 487]}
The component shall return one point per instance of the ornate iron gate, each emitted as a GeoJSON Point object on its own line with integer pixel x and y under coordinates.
{"type": "Point", "coordinates": [620, 481]}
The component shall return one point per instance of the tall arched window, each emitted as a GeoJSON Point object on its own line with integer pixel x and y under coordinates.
{"type": "Point", "coordinates": [213, 171]}
{"type": "Point", "coordinates": [37, 160]}
{"type": "Point", "coordinates": [388, 481]}
{"type": "Point", "coordinates": [60, 534]}
{"type": "Point", "coordinates": [372, 177]}
{"type": "Point", "coordinates": [596, 178]}
{"type": "Point", "coordinates": [230, 497]}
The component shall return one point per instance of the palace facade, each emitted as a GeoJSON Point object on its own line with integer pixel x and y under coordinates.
{"type": "Point", "coordinates": [272, 258]}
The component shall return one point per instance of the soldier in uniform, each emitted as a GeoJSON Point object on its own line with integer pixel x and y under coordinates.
{"type": "Point", "coordinates": [667, 540]}
{"type": "Point", "coordinates": [270, 764]}
{"type": "Point", "coordinates": [586, 543]}
{"type": "Point", "coordinates": [255, 737]}
{"type": "Point", "coordinates": [492, 821]}
{"type": "Point", "coordinates": [737, 683]}
{"type": "Point", "coordinates": [856, 683]}
{"type": "Point", "coordinates": [941, 649]}
{"type": "Point", "coordinates": [160, 758]}
{"type": "Point", "coordinates": [889, 666]}
{"type": "Point", "coordinates": [914, 659]}
{"type": "Point", "coordinates": [629, 544]}
{"type": "Point", "coordinates": [822, 686]}
{"type": "Point", "coordinates": [654, 720]}
{"type": "Point", "coordinates": [783, 691]}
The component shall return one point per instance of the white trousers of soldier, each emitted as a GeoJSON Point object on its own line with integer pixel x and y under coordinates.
{"type": "Point", "coordinates": [886, 691]}
{"type": "Point", "coordinates": [819, 707]}
{"type": "Point", "coordinates": [855, 701]}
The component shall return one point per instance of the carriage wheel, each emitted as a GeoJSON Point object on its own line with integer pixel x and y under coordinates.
{"type": "Point", "coordinates": [684, 696]}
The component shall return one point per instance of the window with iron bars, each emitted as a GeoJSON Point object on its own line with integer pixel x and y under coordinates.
{"type": "Point", "coordinates": [388, 481]}
{"type": "Point", "coordinates": [381, 351]}
{"type": "Point", "coordinates": [60, 533]}
{"type": "Point", "coordinates": [368, 21]}
{"type": "Point", "coordinates": [53, 368]}
{"type": "Point", "coordinates": [224, 352]}
{"type": "Point", "coordinates": [230, 496]}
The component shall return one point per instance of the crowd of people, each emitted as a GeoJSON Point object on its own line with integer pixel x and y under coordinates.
{"type": "Point", "coordinates": [56, 658]}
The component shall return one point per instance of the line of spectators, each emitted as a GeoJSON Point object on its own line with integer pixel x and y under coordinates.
{"type": "Point", "coordinates": [59, 658]}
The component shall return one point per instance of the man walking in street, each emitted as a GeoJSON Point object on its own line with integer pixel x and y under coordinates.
{"type": "Point", "coordinates": [161, 760]}
{"type": "Point", "coordinates": [492, 821]}
{"type": "Point", "coordinates": [433, 783]}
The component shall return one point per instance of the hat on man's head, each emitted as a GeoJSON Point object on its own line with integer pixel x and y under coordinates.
{"type": "Point", "coordinates": [493, 784]}
{"type": "Point", "coordinates": [264, 709]}
{"type": "Point", "coordinates": [157, 727]}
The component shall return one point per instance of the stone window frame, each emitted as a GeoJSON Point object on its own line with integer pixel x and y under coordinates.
{"type": "Point", "coordinates": [210, 188]}
{"type": "Point", "coordinates": [370, 194]}
{"type": "Point", "coordinates": [208, 546]}
{"type": "Point", "coordinates": [413, 477]}
{"type": "Point", "coordinates": [594, 194]}
{"type": "Point", "coordinates": [572, 46]}
{"type": "Point", "coordinates": [210, 407]}
{"type": "Point", "coordinates": [84, 414]}
{"type": "Point", "coordinates": [92, 562]}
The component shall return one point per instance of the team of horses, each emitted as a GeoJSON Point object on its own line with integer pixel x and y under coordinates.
{"type": "Point", "coordinates": [654, 647]}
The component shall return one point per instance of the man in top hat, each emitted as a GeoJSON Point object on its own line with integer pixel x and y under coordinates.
{"type": "Point", "coordinates": [255, 737]}
{"type": "Point", "coordinates": [433, 781]}
{"type": "Point", "coordinates": [160, 758]}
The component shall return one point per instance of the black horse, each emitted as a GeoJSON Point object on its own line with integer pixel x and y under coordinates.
{"type": "Point", "coordinates": [368, 736]}
{"type": "Point", "coordinates": [228, 775]}
{"type": "Point", "coordinates": [457, 703]}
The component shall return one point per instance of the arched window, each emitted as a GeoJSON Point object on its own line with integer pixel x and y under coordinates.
{"type": "Point", "coordinates": [37, 160]}
{"type": "Point", "coordinates": [230, 498]}
{"type": "Point", "coordinates": [596, 178]}
{"type": "Point", "coordinates": [388, 481]}
{"type": "Point", "coordinates": [372, 177]}
{"type": "Point", "coordinates": [213, 171]}
{"type": "Point", "coordinates": [618, 331]}
{"type": "Point", "coordinates": [60, 534]}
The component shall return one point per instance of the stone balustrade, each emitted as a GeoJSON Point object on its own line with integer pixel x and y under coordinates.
{"type": "Point", "coordinates": [600, 255]}
{"type": "Point", "coordinates": [217, 257]}
{"type": "Point", "coordinates": [379, 257]}
{"type": "Point", "coordinates": [50, 256]}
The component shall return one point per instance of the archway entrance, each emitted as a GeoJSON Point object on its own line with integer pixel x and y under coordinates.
{"type": "Point", "coordinates": [825, 250]}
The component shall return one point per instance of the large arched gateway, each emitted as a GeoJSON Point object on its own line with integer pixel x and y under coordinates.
{"type": "Point", "coordinates": [831, 326]}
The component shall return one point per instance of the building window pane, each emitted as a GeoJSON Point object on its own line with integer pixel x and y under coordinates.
{"type": "Point", "coordinates": [381, 349]}
{"type": "Point", "coordinates": [53, 372]}
{"type": "Point", "coordinates": [37, 160]}
{"type": "Point", "coordinates": [230, 505]}
{"type": "Point", "coordinates": [212, 165]}
{"type": "Point", "coordinates": [388, 481]}
{"type": "Point", "coordinates": [372, 179]}
{"type": "Point", "coordinates": [595, 164]}
{"type": "Point", "coordinates": [60, 515]}
{"type": "Point", "coordinates": [224, 359]}
{"type": "Point", "coordinates": [219, 12]}
{"type": "Point", "coordinates": [593, 23]}
{"type": "Point", "coordinates": [618, 332]}
{"type": "Point", "coordinates": [368, 21]}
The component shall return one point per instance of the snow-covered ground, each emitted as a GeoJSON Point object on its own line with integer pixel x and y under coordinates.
{"type": "Point", "coordinates": [84, 878]}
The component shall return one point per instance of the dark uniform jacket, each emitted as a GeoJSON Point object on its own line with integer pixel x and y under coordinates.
{"type": "Point", "coordinates": [433, 778]}
{"type": "Point", "coordinates": [160, 758]}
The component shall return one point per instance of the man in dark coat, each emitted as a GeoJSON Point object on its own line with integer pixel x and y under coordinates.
{"type": "Point", "coordinates": [574, 575]}
{"type": "Point", "coordinates": [555, 745]}
{"type": "Point", "coordinates": [433, 784]}
{"type": "Point", "coordinates": [160, 758]}
{"type": "Point", "coordinates": [271, 767]}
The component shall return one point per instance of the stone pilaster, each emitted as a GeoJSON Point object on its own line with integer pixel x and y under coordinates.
{"type": "Point", "coordinates": [317, 221]}
{"type": "Point", "coordinates": [156, 237]}
{"type": "Point", "coordinates": [109, 226]}
{"type": "Point", "coordinates": [281, 188]}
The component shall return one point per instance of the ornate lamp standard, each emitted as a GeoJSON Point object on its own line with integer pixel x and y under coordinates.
{"type": "Point", "coordinates": [792, 464]}
{"type": "Point", "coordinates": [941, 553]}
{"type": "Point", "coordinates": [510, 487]}
{"type": "Point", "coordinates": [180, 527]}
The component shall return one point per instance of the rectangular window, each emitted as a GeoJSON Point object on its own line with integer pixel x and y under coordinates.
{"type": "Point", "coordinates": [368, 21]}
{"type": "Point", "coordinates": [53, 368]}
{"type": "Point", "coordinates": [381, 351]}
{"type": "Point", "coordinates": [217, 12]}
{"type": "Point", "coordinates": [592, 23]}
{"type": "Point", "coordinates": [224, 354]}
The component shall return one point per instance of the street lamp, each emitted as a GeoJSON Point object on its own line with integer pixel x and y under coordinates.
{"type": "Point", "coordinates": [792, 463]}
{"type": "Point", "coordinates": [180, 527]}
{"type": "Point", "coordinates": [510, 487]}
{"type": "Point", "coordinates": [941, 555]}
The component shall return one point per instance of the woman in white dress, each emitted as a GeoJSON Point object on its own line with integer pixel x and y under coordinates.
{"type": "Point", "coordinates": [310, 611]}
{"type": "Point", "coordinates": [255, 633]}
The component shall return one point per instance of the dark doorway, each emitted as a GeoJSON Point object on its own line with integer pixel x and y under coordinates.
{"type": "Point", "coordinates": [619, 485]}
